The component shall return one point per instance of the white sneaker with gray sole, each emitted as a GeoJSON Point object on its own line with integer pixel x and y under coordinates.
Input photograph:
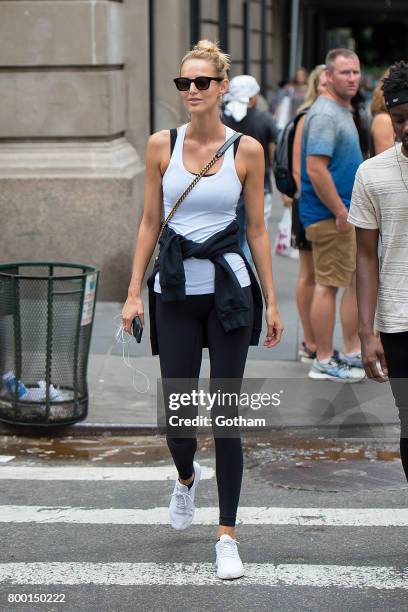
{"type": "Point", "coordinates": [181, 509]}
{"type": "Point", "coordinates": [228, 562]}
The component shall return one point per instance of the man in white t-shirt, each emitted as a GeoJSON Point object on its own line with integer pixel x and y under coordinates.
{"type": "Point", "coordinates": [379, 207]}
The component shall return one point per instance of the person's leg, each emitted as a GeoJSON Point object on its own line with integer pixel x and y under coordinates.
{"type": "Point", "coordinates": [180, 333]}
{"type": "Point", "coordinates": [334, 266]}
{"type": "Point", "coordinates": [396, 356]}
{"type": "Point", "coordinates": [349, 319]}
{"type": "Point", "coordinates": [322, 316]}
{"type": "Point", "coordinates": [228, 354]}
{"type": "Point", "coordinates": [304, 296]}
{"type": "Point", "coordinates": [323, 236]}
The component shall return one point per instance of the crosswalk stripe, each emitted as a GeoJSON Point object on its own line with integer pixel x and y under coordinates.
{"type": "Point", "coordinates": [247, 515]}
{"type": "Point", "coordinates": [179, 574]}
{"type": "Point", "coordinates": [75, 472]}
{"type": "Point", "coordinates": [6, 458]}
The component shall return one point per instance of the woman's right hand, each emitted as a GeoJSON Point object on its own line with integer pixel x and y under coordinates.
{"type": "Point", "coordinates": [133, 307]}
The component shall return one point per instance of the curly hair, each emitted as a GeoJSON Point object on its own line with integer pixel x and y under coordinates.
{"type": "Point", "coordinates": [397, 79]}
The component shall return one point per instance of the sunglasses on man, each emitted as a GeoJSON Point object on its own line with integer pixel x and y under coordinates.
{"type": "Point", "coordinates": [201, 82]}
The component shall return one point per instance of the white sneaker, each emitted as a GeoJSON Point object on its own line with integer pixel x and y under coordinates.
{"type": "Point", "coordinates": [229, 564]}
{"type": "Point", "coordinates": [182, 507]}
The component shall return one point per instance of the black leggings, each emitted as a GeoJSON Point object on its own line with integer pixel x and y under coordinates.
{"type": "Point", "coordinates": [396, 356]}
{"type": "Point", "coordinates": [181, 328]}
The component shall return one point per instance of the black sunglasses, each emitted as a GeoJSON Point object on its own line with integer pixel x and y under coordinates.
{"type": "Point", "coordinates": [201, 82]}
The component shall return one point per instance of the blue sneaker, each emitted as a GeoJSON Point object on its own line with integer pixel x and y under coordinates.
{"type": "Point", "coordinates": [353, 362]}
{"type": "Point", "coordinates": [335, 370]}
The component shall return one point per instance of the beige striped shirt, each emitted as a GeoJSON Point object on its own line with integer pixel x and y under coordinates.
{"type": "Point", "coordinates": [380, 201]}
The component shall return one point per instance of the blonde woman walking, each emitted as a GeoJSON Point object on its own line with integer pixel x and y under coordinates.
{"type": "Point", "coordinates": [202, 291]}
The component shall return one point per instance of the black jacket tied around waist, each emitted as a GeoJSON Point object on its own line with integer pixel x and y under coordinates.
{"type": "Point", "coordinates": [231, 303]}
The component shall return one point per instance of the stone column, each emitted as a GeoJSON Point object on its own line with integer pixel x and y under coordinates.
{"type": "Point", "coordinates": [172, 42]}
{"type": "Point", "coordinates": [70, 179]}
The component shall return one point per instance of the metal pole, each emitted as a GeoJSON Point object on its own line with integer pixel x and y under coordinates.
{"type": "Point", "coordinates": [263, 49]}
{"type": "Point", "coordinates": [247, 36]}
{"type": "Point", "coordinates": [223, 21]}
{"type": "Point", "coordinates": [152, 58]}
{"type": "Point", "coordinates": [195, 17]}
{"type": "Point", "coordinates": [294, 27]}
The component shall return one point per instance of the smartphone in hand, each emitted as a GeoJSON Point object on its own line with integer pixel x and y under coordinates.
{"type": "Point", "coordinates": [137, 329]}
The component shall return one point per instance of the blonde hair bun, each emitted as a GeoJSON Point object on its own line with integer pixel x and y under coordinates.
{"type": "Point", "coordinates": [207, 45]}
{"type": "Point", "coordinates": [210, 51]}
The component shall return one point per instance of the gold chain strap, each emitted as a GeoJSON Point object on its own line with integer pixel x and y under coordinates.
{"type": "Point", "coordinates": [187, 191]}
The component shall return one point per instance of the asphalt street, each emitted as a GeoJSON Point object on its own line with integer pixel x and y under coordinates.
{"type": "Point", "coordinates": [322, 522]}
{"type": "Point", "coordinates": [87, 520]}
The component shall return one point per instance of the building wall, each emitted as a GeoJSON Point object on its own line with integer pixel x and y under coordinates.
{"type": "Point", "coordinates": [174, 37]}
{"type": "Point", "coordinates": [258, 20]}
{"type": "Point", "coordinates": [70, 178]}
{"type": "Point", "coordinates": [75, 115]}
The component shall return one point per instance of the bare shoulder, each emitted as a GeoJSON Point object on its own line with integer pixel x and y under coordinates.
{"type": "Point", "coordinates": [158, 150]}
{"type": "Point", "coordinates": [381, 120]}
{"type": "Point", "coordinates": [250, 157]}
{"type": "Point", "coordinates": [250, 146]}
{"type": "Point", "coordinates": [301, 123]}
{"type": "Point", "coordinates": [159, 140]}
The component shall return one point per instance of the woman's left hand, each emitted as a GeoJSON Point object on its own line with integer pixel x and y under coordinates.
{"type": "Point", "coordinates": [275, 327]}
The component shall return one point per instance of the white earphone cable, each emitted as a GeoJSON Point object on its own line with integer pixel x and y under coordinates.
{"type": "Point", "coordinates": [121, 339]}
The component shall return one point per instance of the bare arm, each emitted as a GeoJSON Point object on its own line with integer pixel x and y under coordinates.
{"type": "Point", "coordinates": [149, 227]}
{"type": "Point", "coordinates": [296, 155]}
{"type": "Point", "coordinates": [367, 290]}
{"type": "Point", "coordinates": [251, 156]}
{"type": "Point", "coordinates": [382, 132]}
{"type": "Point", "coordinates": [323, 184]}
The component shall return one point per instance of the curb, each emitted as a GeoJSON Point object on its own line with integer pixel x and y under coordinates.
{"type": "Point", "coordinates": [80, 429]}
{"type": "Point", "coordinates": [389, 431]}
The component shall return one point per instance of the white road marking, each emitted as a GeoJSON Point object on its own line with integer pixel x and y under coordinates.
{"type": "Point", "coordinates": [77, 472]}
{"type": "Point", "coordinates": [198, 574]}
{"type": "Point", "coordinates": [247, 515]}
{"type": "Point", "coordinates": [6, 458]}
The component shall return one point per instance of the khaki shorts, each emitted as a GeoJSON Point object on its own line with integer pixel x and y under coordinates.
{"type": "Point", "coordinates": [334, 253]}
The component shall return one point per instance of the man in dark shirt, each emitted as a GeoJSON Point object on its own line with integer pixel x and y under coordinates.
{"type": "Point", "coordinates": [242, 115]}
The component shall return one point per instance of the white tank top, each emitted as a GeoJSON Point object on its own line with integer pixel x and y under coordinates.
{"type": "Point", "coordinates": [209, 208]}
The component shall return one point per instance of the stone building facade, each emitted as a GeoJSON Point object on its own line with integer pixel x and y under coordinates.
{"type": "Point", "coordinates": [82, 85]}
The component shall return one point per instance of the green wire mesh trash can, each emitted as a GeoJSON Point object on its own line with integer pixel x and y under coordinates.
{"type": "Point", "coordinates": [46, 317]}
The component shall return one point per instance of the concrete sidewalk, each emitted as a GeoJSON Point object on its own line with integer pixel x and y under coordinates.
{"type": "Point", "coordinates": [120, 396]}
